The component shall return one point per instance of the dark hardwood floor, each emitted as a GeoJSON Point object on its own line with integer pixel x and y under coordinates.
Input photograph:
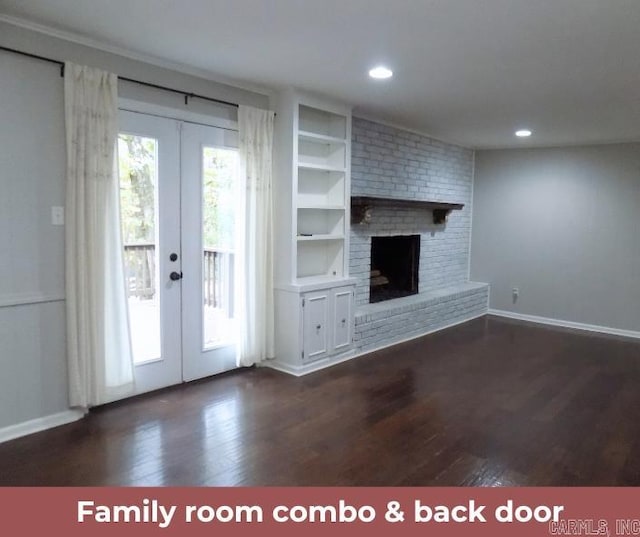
{"type": "Point", "coordinates": [491, 402]}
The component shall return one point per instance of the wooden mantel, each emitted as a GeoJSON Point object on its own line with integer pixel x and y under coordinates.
{"type": "Point", "coordinates": [361, 207]}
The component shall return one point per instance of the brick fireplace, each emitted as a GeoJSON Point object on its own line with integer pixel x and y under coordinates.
{"type": "Point", "coordinates": [395, 164]}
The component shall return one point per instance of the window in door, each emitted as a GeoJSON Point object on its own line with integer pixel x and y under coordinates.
{"type": "Point", "coordinates": [138, 168]}
{"type": "Point", "coordinates": [219, 197]}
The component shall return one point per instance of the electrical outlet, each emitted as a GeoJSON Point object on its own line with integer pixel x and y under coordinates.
{"type": "Point", "coordinates": [57, 216]}
{"type": "Point", "coordinates": [515, 293]}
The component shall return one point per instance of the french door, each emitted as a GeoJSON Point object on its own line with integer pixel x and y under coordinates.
{"type": "Point", "coordinates": [178, 196]}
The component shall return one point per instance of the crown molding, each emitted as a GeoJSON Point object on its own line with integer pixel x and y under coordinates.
{"type": "Point", "coordinates": [79, 39]}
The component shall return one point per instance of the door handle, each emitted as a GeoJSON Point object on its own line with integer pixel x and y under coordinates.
{"type": "Point", "coordinates": [175, 276]}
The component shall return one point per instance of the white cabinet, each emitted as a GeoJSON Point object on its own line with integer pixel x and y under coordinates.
{"type": "Point", "coordinates": [311, 173]}
{"type": "Point", "coordinates": [315, 329]}
{"type": "Point", "coordinates": [326, 322]}
{"type": "Point", "coordinates": [342, 318]}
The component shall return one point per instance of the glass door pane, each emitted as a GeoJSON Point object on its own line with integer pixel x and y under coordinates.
{"type": "Point", "coordinates": [138, 169]}
{"type": "Point", "coordinates": [219, 195]}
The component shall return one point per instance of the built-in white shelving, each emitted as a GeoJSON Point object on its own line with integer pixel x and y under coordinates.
{"type": "Point", "coordinates": [314, 294]}
{"type": "Point", "coordinates": [321, 156]}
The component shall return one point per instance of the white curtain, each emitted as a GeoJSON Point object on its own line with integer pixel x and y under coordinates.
{"type": "Point", "coordinates": [99, 353]}
{"type": "Point", "coordinates": [254, 258]}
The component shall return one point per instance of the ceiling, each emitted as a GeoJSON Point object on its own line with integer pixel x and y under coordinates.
{"type": "Point", "coordinates": [466, 71]}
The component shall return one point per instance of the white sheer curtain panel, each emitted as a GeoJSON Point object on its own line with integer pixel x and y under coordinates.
{"type": "Point", "coordinates": [98, 342]}
{"type": "Point", "coordinates": [254, 262]}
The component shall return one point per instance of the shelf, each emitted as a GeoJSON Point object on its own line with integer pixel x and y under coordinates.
{"type": "Point", "coordinates": [321, 207]}
{"type": "Point", "coordinates": [361, 207]}
{"type": "Point", "coordinates": [321, 122]}
{"type": "Point", "coordinates": [320, 238]}
{"type": "Point", "coordinates": [310, 283]}
{"type": "Point", "coordinates": [317, 153]}
{"type": "Point", "coordinates": [320, 188]}
{"type": "Point", "coordinates": [320, 138]}
{"type": "Point", "coordinates": [316, 280]}
{"type": "Point", "coordinates": [320, 256]}
{"type": "Point", "coordinates": [319, 222]}
{"type": "Point", "coordinates": [321, 167]}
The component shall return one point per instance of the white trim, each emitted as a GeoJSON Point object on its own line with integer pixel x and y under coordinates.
{"type": "Point", "coordinates": [26, 299]}
{"type": "Point", "coordinates": [39, 424]}
{"type": "Point", "coordinates": [299, 371]}
{"type": "Point", "coordinates": [178, 114]}
{"type": "Point", "coordinates": [565, 324]}
{"type": "Point", "coordinates": [178, 67]}
{"type": "Point", "coordinates": [328, 362]}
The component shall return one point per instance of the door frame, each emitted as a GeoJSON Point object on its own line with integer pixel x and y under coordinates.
{"type": "Point", "coordinates": [166, 112]}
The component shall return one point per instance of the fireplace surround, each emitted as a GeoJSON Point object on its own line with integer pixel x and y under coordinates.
{"type": "Point", "coordinates": [404, 183]}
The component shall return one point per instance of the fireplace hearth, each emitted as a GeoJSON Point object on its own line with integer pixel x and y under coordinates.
{"type": "Point", "coordinates": [394, 267]}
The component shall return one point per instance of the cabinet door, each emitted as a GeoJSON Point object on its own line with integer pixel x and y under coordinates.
{"type": "Point", "coordinates": [315, 330]}
{"type": "Point", "coordinates": [342, 318]}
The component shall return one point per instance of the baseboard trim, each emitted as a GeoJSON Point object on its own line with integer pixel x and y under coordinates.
{"type": "Point", "coordinates": [308, 368]}
{"type": "Point", "coordinates": [39, 424]}
{"type": "Point", "coordinates": [565, 324]}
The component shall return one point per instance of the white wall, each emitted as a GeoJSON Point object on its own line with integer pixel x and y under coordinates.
{"type": "Point", "coordinates": [562, 225]}
{"type": "Point", "coordinates": [32, 160]}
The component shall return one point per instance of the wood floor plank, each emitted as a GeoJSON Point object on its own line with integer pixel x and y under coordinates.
{"type": "Point", "coordinates": [492, 402]}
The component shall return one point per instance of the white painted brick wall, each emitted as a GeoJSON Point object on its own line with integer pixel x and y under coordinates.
{"type": "Point", "coordinates": [389, 162]}
{"type": "Point", "coordinates": [385, 323]}
{"type": "Point", "coordinates": [392, 163]}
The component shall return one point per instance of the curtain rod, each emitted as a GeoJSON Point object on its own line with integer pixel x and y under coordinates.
{"type": "Point", "coordinates": [187, 94]}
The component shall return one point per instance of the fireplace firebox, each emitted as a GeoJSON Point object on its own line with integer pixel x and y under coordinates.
{"type": "Point", "coordinates": [394, 267]}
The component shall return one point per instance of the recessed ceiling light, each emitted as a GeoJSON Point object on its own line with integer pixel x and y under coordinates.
{"type": "Point", "coordinates": [523, 133]}
{"type": "Point", "coordinates": [380, 72]}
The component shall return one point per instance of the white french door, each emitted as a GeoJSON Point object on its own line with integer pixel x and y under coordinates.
{"type": "Point", "coordinates": [178, 192]}
{"type": "Point", "coordinates": [210, 208]}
